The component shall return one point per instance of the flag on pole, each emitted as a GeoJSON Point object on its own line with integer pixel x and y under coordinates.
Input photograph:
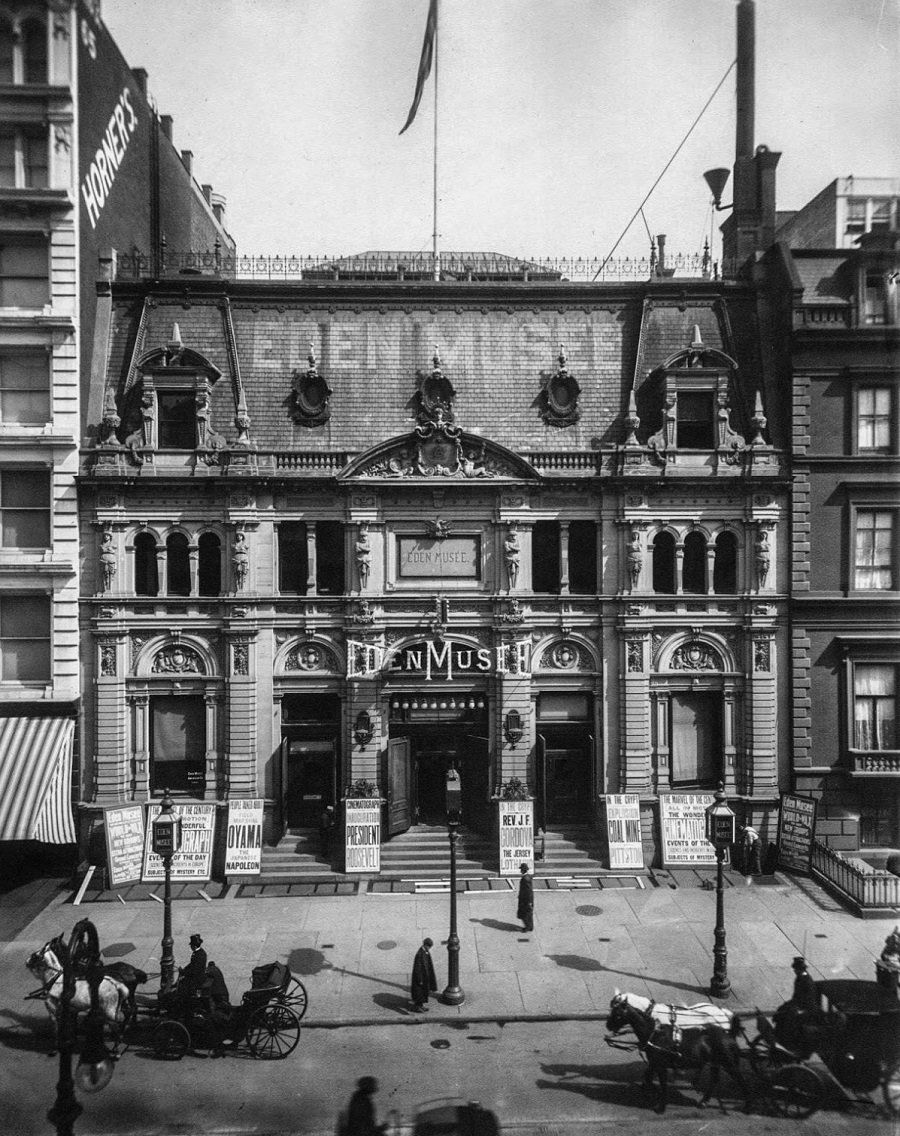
{"type": "Point", "coordinates": [425, 61]}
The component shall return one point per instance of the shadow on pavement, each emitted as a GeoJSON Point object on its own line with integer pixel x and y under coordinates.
{"type": "Point", "coordinates": [576, 962]}
{"type": "Point", "coordinates": [497, 924]}
{"type": "Point", "coordinates": [393, 1002]}
{"type": "Point", "coordinates": [701, 990]}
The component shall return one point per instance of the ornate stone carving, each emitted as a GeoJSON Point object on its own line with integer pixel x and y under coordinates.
{"type": "Point", "coordinates": [564, 656]}
{"type": "Point", "coordinates": [363, 552]}
{"type": "Point", "coordinates": [107, 660]}
{"type": "Point", "coordinates": [632, 422]}
{"type": "Point", "coordinates": [363, 613]}
{"type": "Point", "coordinates": [762, 655]}
{"type": "Point", "coordinates": [241, 657]}
{"type": "Point", "coordinates": [695, 657]}
{"type": "Point", "coordinates": [110, 422]}
{"type": "Point", "coordinates": [513, 613]}
{"type": "Point", "coordinates": [634, 649]}
{"type": "Point", "coordinates": [635, 556]}
{"type": "Point", "coordinates": [240, 560]}
{"type": "Point", "coordinates": [437, 449]}
{"type": "Point", "coordinates": [310, 395]}
{"type": "Point", "coordinates": [137, 643]}
{"type": "Point", "coordinates": [511, 550]}
{"type": "Point", "coordinates": [559, 395]}
{"type": "Point", "coordinates": [438, 529]}
{"type": "Point", "coordinates": [309, 657]}
{"type": "Point", "coordinates": [434, 393]}
{"type": "Point", "coordinates": [177, 660]}
{"type": "Point", "coordinates": [108, 566]}
{"type": "Point", "coordinates": [762, 556]}
{"type": "Point", "coordinates": [209, 442]}
{"type": "Point", "coordinates": [62, 139]}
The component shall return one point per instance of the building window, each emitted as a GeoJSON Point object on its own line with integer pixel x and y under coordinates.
{"type": "Point", "coordinates": [7, 74]}
{"type": "Point", "coordinates": [693, 569]}
{"type": "Point", "coordinates": [293, 568]}
{"type": "Point", "coordinates": [177, 744]}
{"type": "Point", "coordinates": [696, 738]}
{"type": "Point", "coordinates": [583, 557]}
{"type": "Point", "coordinates": [176, 420]}
{"type": "Point", "coordinates": [874, 557]}
{"type": "Point", "coordinates": [146, 572]}
{"type": "Point", "coordinates": [25, 387]}
{"type": "Point", "coordinates": [874, 706]}
{"type": "Point", "coordinates": [34, 51]}
{"type": "Point", "coordinates": [178, 566]}
{"type": "Point", "coordinates": [25, 638]}
{"type": "Point", "coordinates": [24, 272]}
{"type": "Point", "coordinates": [329, 558]}
{"type": "Point", "coordinates": [25, 508]}
{"type": "Point", "coordinates": [545, 557]}
{"type": "Point", "coordinates": [664, 563]}
{"type": "Point", "coordinates": [875, 298]}
{"type": "Point", "coordinates": [725, 564]}
{"type": "Point", "coordinates": [24, 160]}
{"type": "Point", "coordinates": [878, 824]}
{"type": "Point", "coordinates": [873, 419]}
{"type": "Point", "coordinates": [868, 214]}
{"type": "Point", "coordinates": [209, 577]}
{"type": "Point", "coordinates": [694, 418]}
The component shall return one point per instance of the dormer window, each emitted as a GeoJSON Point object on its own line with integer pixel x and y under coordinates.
{"type": "Point", "coordinates": [177, 420]}
{"type": "Point", "coordinates": [875, 298]}
{"type": "Point", "coordinates": [694, 416]}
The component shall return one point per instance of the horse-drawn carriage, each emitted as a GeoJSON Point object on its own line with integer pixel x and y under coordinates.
{"type": "Point", "coordinates": [849, 1044]}
{"type": "Point", "coordinates": [266, 1020]}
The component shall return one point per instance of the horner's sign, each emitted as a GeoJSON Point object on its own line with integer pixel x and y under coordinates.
{"type": "Point", "coordinates": [437, 659]}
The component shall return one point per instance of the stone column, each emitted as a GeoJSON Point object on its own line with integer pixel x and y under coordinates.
{"type": "Point", "coordinates": [194, 566]}
{"type": "Point", "coordinates": [563, 558]}
{"type": "Point", "coordinates": [310, 558]}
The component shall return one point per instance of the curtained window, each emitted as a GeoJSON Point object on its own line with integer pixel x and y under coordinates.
{"type": "Point", "coordinates": [696, 738]}
{"type": "Point", "coordinates": [875, 706]}
{"type": "Point", "coordinates": [874, 550]}
{"type": "Point", "coordinates": [177, 743]}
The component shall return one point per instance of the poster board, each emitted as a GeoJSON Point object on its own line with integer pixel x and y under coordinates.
{"type": "Point", "coordinates": [682, 822]}
{"type": "Point", "coordinates": [623, 830]}
{"type": "Point", "coordinates": [124, 827]}
{"type": "Point", "coordinates": [796, 826]}
{"type": "Point", "coordinates": [516, 824]}
{"type": "Point", "coordinates": [193, 861]}
{"type": "Point", "coordinates": [362, 834]}
{"type": "Point", "coordinates": [243, 840]}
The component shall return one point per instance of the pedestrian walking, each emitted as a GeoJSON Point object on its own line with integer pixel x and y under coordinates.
{"type": "Point", "coordinates": [359, 1119]}
{"type": "Point", "coordinates": [525, 909]}
{"type": "Point", "coordinates": [326, 824]}
{"type": "Point", "coordinates": [424, 980]}
{"type": "Point", "coordinates": [804, 996]}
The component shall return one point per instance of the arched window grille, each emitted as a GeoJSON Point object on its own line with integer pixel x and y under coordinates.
{"type": "Point", "coordinates": [178, 566]}
{"type": "Point", "coordinates": [725, 565]}
{"type": "Point", "coordinates": [146, 576]}
{"type": "Point", "coordinates": [664, 563]}
{"type": "Point", "coordinates": [693, 569]}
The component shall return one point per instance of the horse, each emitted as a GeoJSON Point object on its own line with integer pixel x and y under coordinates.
{"type": "Point", "coordinates": [112, 995]}
{"type": "Point", "coordinates": [667, 1045]}
{"type": "Point", "coordinates": [685, 1017]}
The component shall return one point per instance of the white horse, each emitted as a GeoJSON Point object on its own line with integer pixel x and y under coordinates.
{"type": "Point", "coordinates": [684, 1017]}
{"type": "Point", "coordinates": [112, 995]}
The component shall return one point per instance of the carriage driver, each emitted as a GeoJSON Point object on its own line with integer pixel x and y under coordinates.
{"type": "Point", "coordinates": [192, 976]}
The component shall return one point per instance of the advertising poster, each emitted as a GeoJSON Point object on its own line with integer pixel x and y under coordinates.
{"type": "Point", "coordinates": [243, 842]}
{"type": "Point", "coordinates": [796, 825]}
{"type": "Point", "coordinates": [623, 830]}
{"type": "Point", "coordinates": [124, 843]}
{"type": "Point", "coordinates": [193, 860]}
{"type": "Point", "coordinates": [363, 834]}
{"type": "Point", "coordinates": [682, 820]}
{"type": "Point", "coordinates": [516, 836]}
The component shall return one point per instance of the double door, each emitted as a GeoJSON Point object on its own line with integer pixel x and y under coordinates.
{"type": "Point", "coordinates": [416, 777]}
{"type": "Point", "coordinates": [565, 773]}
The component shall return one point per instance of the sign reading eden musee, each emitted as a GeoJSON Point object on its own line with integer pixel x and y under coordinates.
{"type": "Point", "coordinates": [457, 557]}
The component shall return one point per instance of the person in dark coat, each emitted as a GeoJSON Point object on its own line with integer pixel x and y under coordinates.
{"type": "Point", "coordinates": [424, 980]}
{"type": "Point", "coordinates": [525, 908]}
{"type": "Point", "coordinates": [326, 824]}
{"type": "Point", "coordinates": [361, 1111]}
{"type": "Point", "coordinates": [804, 996]}
{"type": "Point", "coordinates": [191, 979]}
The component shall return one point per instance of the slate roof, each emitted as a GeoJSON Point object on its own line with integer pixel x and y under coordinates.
{"type": "Point", "coordinates": [824, 278]}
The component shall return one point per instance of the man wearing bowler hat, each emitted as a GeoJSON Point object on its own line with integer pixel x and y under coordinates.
{"type": "Point", "coordinates": [525, 908]}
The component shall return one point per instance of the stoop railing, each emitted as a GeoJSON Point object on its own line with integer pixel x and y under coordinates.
{"type": "Point", "coordinates": [865, 886]}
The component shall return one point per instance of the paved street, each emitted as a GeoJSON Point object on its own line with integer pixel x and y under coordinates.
{"type": "Point", "coordinates": [528, 1041]}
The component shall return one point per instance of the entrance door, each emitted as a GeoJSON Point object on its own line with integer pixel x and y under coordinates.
{"type": "Point", "coordinates": [399, 812]}
{"type": "Point", "coordinates": [435, 753]}
{"type": "Point", "coordinates": [475, 773]}
{"type": "Point", "coordinates": [309, 781]}
{"type": "Point", "coordinates": [565, 778]}
{"type": "Point", "coordinates": [696, 734]}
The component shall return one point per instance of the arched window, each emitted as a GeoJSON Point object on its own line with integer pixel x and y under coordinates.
{"type": "Point", "coordinates": [178, 566]}
{"type": "Point", "coordinates": [725, 567]}
{"type": "Point", "coordinates": [210, 567]}
{"type": "Point", "coordinates": [693, 568]}
{"type": "Point", "coordinates": [34, 52]}
{"type": "Point", "coordinates": [6, 51]}
{"type": "Point", "coordinates": [664, 563]}
{"type": "Point", "coordinates": [146, 578]}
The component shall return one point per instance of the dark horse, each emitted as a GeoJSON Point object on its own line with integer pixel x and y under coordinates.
{"type": "Point", "coordinates": [666, 1047]}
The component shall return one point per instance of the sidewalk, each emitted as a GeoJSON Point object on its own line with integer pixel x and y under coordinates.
{"type": "Point", "coordinates": [354, 953]}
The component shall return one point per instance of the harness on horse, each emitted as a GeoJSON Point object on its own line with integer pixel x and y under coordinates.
{"type": "Point", "coordinates": [667, 1036]}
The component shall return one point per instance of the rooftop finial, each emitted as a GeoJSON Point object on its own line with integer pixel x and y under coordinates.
{"type": "Point", "coordinates": [697, 344]}
{"type": "Point", "coordinates": [176, 336]}
{"type": "Point", "coordinates": [562, 356]}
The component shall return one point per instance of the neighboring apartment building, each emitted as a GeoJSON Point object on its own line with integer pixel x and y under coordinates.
{"type": "Point", "coordinates": [834, 273]}
{"type": "Point", "coordinates": [367, 525]}
{"type": "Point", "coordinates": [85, 166]}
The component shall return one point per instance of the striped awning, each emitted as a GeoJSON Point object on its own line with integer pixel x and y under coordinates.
{"type": "Point", "coordinates": [35, 779]}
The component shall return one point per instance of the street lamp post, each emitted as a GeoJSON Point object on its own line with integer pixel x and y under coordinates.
{"type": "Point", "coordinates": [95, 1066]}
{"type": "Point", "coordinates": [720, 833]}
{"type": "Point", "coordinates": [166, 839]}
{"type": "Point", "coordinates": [453, 994]}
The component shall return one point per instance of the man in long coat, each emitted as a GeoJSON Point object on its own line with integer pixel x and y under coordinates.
{"type": "Point", "coordinates": [424, 980]}
{"type": "Point", "coordinates": [525, 909]}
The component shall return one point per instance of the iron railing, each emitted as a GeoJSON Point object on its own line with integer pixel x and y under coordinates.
{"type": "Point", "coordinates": [459, 267]}
{"type": "Point", "coordinates": [860, 882]}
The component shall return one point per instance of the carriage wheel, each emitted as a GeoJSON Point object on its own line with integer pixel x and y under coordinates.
{"type": "Point", "coordinates": [170, 1041]}
{"type": "Point", "coordinates": [797, 1091]}
{"type": "Point", "coordinates": [890, 1087]}
{"type": "Point", "coordinates": [297, 997]}
{"type": "Point", "coordinates": [273, 1031]}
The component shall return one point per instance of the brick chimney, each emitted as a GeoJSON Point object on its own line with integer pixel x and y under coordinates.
{"type": "Point", "coordinates": [187, 160]}
{"type": "Point", "coordinates": [140, 77]}
{"type": "Point", "coordinates": [165, 122]}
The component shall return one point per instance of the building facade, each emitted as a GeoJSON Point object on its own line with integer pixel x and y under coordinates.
{"type": "Point", "coordinates": [370, 525]}
{"type": "Point", "coordinates": [83, 158]}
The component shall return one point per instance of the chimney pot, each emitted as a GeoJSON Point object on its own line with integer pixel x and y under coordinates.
{"type": "Point", "coordinates": [207, 192]}
{"type": "Point", "coordinates": [165, 122]}
{"type": "Point", "coordinates": [187, 160]}
{"type": "Point", "coordinates": [140, 77]}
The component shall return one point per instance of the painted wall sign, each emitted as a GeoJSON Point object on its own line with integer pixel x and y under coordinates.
{"type": "Point", "coordinates": [437, 659]}
{"type": "Point", "coordinates": [193, 861]}
{"type": "Point", "coordinates": [796, 827]}
{"type": "Point", "coordinates": [456, 557]}
{"type": "Point", "coordinates": [243, 841]}
{"type": "Point", "coordinates": [682, 819]}
{"type": "Point", "coordinates": [109, 155]}
{"type": "Point", "coordinates": [124, 843]}
{"type": "Point", "coordinates": [516, 836]}
{"type": "Point", "coordinates": [362, 838]}
{"type": "Point", "coordinates": [623, 830]}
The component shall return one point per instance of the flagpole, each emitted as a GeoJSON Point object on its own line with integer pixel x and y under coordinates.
{"type": "Point", "coordinates": [434, 235]}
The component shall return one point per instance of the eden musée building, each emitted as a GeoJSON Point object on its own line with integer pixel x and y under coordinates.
{"type": "Point", "coordinates": [373, 525]}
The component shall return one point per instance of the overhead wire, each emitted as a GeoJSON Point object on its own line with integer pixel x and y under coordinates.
{"type": "Point", "coordinates": [664, 169]}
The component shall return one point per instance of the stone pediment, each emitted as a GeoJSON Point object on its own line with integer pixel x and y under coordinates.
{"type": "Point", "coordinates": [440, 450]}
